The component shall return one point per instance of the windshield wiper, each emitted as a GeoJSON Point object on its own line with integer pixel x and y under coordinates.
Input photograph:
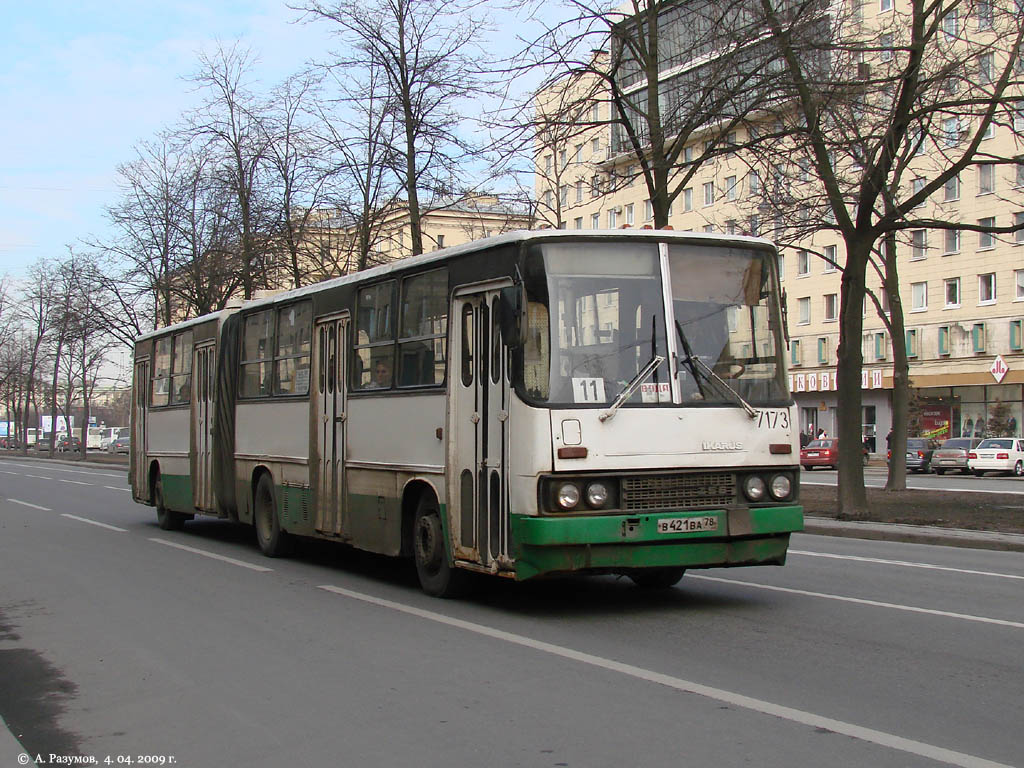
{"type": "Point", "coordinates": [624, 395]}
{"type": "Point", "coordinates": [700, 369]}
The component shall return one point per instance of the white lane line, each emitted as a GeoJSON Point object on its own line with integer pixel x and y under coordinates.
{"type": "Point", "coordinates": [93, 522]}
{"type": "Point", "coordinates": [26, 504]}
{"type": "Point", "coordinates": [73, 482]}
{"type": "Point", "coordinates": [116, 488]}
{"type": "Point", "coordinates": [801, 717]}
{"type": "Point", "coordinates": [928, 488]}
{"type": "Point", "coordinates": [39, 477]}
{"type": "Point", "coordinates": [861, 601]}
{"type": "Point", "coordinates": [213, 555]}
{"type": "Point", "coordinates": [905, 564]}
{"type": "Point", "coordinates": [62, 469]}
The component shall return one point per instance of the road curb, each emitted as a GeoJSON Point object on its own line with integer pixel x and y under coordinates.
{"type": "Point", "coordinates": [915, 534]}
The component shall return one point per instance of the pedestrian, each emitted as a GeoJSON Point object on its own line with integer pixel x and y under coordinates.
{"type": "Point", "coordinates": [822, 434]}
{"type": "Point", "coordinates": [804, 439]}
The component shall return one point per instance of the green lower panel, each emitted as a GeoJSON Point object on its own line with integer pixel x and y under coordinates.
{"type": "Point", "coordinates": [565, 544]}
{"type": "Point", "coordinates": [177, 492]}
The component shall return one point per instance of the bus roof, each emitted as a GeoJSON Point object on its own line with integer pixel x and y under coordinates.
{"type": "Point", "coordinates": [444, 254]}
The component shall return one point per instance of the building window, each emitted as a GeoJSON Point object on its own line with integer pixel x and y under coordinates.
{"type": "Point", "coordinates": [987, 288]}
{"type": "Point", "coordinates": [753, 182]}
{"type": "Point", "coordinates": [831, 265]}
{"type": "Point", "coordinates": [978, 337]}
{"type": "Point", "coordinates": [1016, 340]}
{"type": "Point", "coordinates": [595, 221]}
{"type": "Point", "coordinates": [688, 199]}
{"type": "Point", "coordinates": [944, 340]}
{"type": "Point", "coordinates": [916, 186]}
{"type": "Point", "coordinates": [880, 346]}
{"type": "Point", "coordinates": [918, 297]}
{"type": "Point", "coordinates": [919, 243]}
{"type": "Point", "coordinates": [648, 210]}
{"type": "Point", "coordinates": [952, 244]}
{"type": "Point", "coordinates": [986, 178]}
{"type": "Point", "coordinates": [1018, 275]}
{"type": "Point", "coordinates": [986, 239]}
{"type": "Point", "coordinates": [563, 158]}
{"type": "Point", "coordinates": [951, 23]}
{"type": "Point", "coordinates": [952, 288]}
{"type": "Point", "coordinates": [595, 146]}
{"type": "Point", "coordinates": [547, 163]}
{"type": "Point", "coordinates": [951, 190]}
{"type": "Point", "coordinates": [755, 225]}
{"type": "Point", "coordinates": [831, 307]}
{"type": "Point", "coordinates": [1018, 220]}
{"type": "Point", "coordinates": [730, 227]}
{"type": "Point", "coordinates": [731, 188]}
{"type": "Point", "coordinates": [823, 350]}
{"type": "Point", "coordinates": [563, 196]}
{"type": "Point", "coordinates": [804, 310]}
{"type": "Point", "coordinates": [911, 340]}
{"type": "Point", "coordinates": [1018, 179]}
{"type": "Point", "coordinates": [579, 190]}
{"type": "Point", "coordinates": [885, 43]}
{"type": "Point", "coordinates": [884, 5]}
{"type": "Point", "coordinates": [795, 358]}
{"type": "Point", "coordinates": [709, 193]}
{"type": "Point", "coordinates": [984, 9]}
{"type": "Point", "coordinates": [613, 218]}
{"type": "Point", "coordinates": [803, 263]}
{"type": "Point", "coordinates": [578, 222]}
{"type": "Point", "coordinates": [595, 186]}
{"type": "Point", "coordinates": [951, 131]}
{"type": "Point", "coordinates": [629, 214]}
{"type": "Point", "coordinates": [595, 113]}
{"type": "Point", "coordinates": [578, 155]}
{"type": "Point", "coordinates": [709, 228]}
{"type": "Point", "coordinates": [986, 65]}
{"type": "Point", "coordinates": [782, 267]}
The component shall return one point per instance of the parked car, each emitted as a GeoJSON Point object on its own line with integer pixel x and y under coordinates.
{"type": "Point", "coordinates": [820, 453]}
{"type": "Point", "coordinates": [952, 455]}
{"type": "Point", "coordinates": [120, 445]}
{"type": "Point", "coordinates": [67, 443]}
{"type": "Point", "coordinates": [998, 454]}
{"type": "Point", "coordinates": [110, 434]}
{"type": "Point", "coordinates": [10, 443]}
{"type": "Point", "coordinates": [919, 454]}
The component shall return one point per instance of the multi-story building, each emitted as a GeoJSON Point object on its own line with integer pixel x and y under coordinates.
{"type": "Point", "coordinates": [962, 292]}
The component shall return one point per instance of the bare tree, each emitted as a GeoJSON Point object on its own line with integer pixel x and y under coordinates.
{"type": "Point", "coordinates": [427, 53]}
{"type": "Point", "coordinates": [879, 116]}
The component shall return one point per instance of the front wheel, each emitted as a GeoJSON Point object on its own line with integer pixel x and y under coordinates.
{"type": "Point", "coordinates": [437, 576]}
{"type": "Point", "coordinates": [273, 540]}
{"type": "Point", "coordinates": [656, 578]}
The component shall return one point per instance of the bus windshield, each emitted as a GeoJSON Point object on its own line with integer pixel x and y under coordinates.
{"type": "Point", "coordinates": [596, 319]}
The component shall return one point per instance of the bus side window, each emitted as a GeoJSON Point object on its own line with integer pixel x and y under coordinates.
{"type": "Point", "coordinates": [159, 393]}
{"type": "Point", "coordinates": [257, 346]}
{"type": "Point", "coordinates": [467, 344]}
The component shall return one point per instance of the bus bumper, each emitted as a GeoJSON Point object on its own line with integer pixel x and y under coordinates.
{"type": "Point", "coordinates": [610, 543]}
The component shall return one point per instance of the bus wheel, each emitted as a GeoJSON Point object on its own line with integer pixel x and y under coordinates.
{"type": "Point", "coordinates": [273, 541]}
{"type": "Point", "coordinates": [167, 519]}
{"type": "Point", "coordinates": [437, 577]}
{"type": "Point", "coordinates": [656, 578]}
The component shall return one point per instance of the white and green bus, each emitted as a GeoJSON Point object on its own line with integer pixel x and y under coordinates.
{"type": "Point", "coordinates": [530, 404]}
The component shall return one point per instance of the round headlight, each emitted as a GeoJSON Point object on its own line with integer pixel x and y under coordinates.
{"type": "Point", "coordinates": [754, 488]}
{"type": "Point", "coordinates": [568, 496]}
{"type": "Point", "coordinates": [597, 495]}
{"type": "Point", "coordinates": [781, 487]}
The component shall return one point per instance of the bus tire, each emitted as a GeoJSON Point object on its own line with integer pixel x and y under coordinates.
{"type": "Point", "coordinates": [437, 576]}
{"type": "Point", "coordinates": [273, 541]}
{"type": "Point", "coordinates": [167, 519]}
{"type": "Point", "coordinates": [656, 578]}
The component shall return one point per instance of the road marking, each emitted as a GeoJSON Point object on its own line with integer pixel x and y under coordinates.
{"type": "Point", "coordinates": [116, 488]}
{"type": "Point", "coordinates": [26, 504]}
{"type": "Point", "coordinates": [62, 469]}
{"type": "Point", "coordinates": [927, 488]}
{"type": "Point", "coordinates": [905, 564]}
{"type": "Point", "coordinates": [801, 717]}
{"type": "Point", "coordinates": [862, 601]}
{"type": "Point", "coordinates": [93, 522]}
{"type": "Point", "coordinates": [73, 482]}
{"type": "Point", "coordinates": [213, 555]}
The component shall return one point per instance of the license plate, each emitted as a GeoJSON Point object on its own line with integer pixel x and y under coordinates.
{"type": "Point", "coordinates": [812, 455]}
{"type": "Point", "coordinates": [687, 524]}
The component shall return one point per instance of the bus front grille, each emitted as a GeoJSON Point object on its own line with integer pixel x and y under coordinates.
{"type": "Point", "coordinates": [699, 490]}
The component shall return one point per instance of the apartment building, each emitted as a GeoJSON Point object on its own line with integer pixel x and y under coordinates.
{"type": "Point", "coordinates": [962, 292]}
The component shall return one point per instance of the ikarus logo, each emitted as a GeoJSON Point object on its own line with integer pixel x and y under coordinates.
{"type": "Point", "coordinates": [721, 445]}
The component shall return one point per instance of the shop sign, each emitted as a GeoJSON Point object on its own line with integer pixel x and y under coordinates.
{"type": "Point", "coordinates": [999, 369]}
{"type": "Point", "coordinates": [828, 381]}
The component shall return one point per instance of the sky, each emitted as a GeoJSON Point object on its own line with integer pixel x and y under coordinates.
{"type": "Point", "coordinates": [83, 82]}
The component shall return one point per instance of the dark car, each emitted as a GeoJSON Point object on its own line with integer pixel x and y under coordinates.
{"type": "Point", "coordinates": [952, 455]}
{"type": "Point", "coordinates": [66, 444]}
{"type": "Point", "coordinates": [120, 445]}
{"type": "Point", "coordinates": [919, 454]}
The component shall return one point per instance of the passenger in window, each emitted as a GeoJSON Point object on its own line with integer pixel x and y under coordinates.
{"type": "Point", "coordinates": [381, 375]}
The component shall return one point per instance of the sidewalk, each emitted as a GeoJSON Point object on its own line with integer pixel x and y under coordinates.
{"type": "Point", "coordinates": [916, 534]}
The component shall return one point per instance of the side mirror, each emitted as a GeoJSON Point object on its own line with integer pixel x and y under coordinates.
{"type": "Point", "coordinates": [511, 306]}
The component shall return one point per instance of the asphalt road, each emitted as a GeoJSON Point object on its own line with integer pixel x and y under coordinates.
{"type": "Point", "coordinates": [121, 640]}
{"type": "Point", "coordinates": [875, 477]}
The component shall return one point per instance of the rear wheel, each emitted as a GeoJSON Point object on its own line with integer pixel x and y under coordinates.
{"type": "Point", "coordinates": [273, 541]}
{"type": "Point", "coordinates": [656, 578]}
{"type": "Point", "coordinates": [167, 519]}
{"type": "Point", "coordinates": [437, 576]}
{"type": "Point", "coordinates": [1018, 469]}
{"type": "Point", "coordinates": [940, 472]}
{"type": "Point", "coordinates": [978, 473]}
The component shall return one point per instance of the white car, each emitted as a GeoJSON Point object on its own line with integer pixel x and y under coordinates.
{"type": "Point", "coordinates": [997, 454]}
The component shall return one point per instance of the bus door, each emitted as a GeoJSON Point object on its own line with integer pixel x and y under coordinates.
{"type": "Point", "coordinates": [138, 443]}
{"type": "Point", "coordinates": [478, 450]}
{"type": "Point", "coordinates": [203, 362]}
{"type": "Point", "coordinates": [329, 393]}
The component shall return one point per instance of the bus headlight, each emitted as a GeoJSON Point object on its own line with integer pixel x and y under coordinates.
{"type": "Point", "coordinates": [568, 496]}
{"type": "Point", "coordinates": [754, 488]}
{"type": "Point", "coordinates": [781, 487]}
{"type": "Point", "coordinates": [597, 495]}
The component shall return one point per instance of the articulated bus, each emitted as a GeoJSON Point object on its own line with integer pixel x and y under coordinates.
{"type": "Point", "coordinates": [531, 404]}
